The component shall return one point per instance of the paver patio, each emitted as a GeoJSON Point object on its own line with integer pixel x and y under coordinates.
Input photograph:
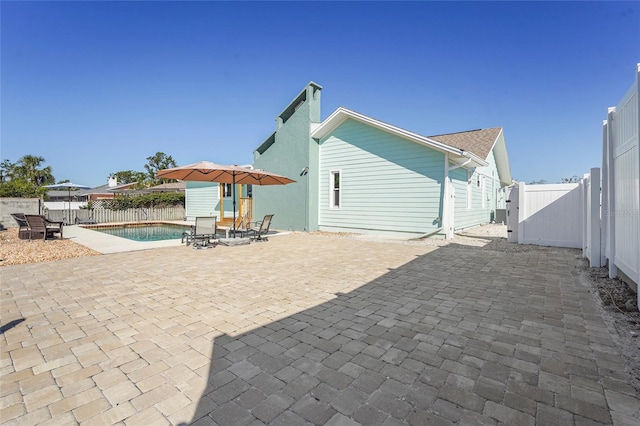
{"type": "Point", "coordinates": [310, 329]}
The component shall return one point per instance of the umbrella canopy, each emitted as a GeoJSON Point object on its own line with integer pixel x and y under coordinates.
{"type": "Point", "coordinates": [206, 171]}
{"type": "Point", "coordinates": [68, 186]}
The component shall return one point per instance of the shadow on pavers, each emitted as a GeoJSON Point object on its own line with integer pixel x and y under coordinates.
{"type": "Point", "coordinates": [10, 325]}
{"type": "Point", "coordinates": [456, 334]}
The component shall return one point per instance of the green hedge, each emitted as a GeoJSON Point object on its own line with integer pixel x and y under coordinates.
{"type": "Point", "coordinates": [161, 199]}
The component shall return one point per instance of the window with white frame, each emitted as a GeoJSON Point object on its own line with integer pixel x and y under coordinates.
{"type": "Point", "coordinates": [335, 194]}
{"type": "Point", "coordinates": [226, 190]}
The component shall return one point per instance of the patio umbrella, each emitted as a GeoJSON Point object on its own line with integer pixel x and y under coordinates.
{"type": "Point", "coordinates": [206, 171]}
{"type": "Point", "coordinates": [68, 186]}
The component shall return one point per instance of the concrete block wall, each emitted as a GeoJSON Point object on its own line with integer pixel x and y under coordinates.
{"type": "Point", "coordinates": [17, 205]}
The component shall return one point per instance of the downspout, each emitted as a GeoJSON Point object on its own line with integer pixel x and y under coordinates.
{"type": "Point", "coordinates": [447, 207]}
{"type": "Point", "coordinates": [460, 165]}
{"type": "Point", "coordinates": [444, 222]}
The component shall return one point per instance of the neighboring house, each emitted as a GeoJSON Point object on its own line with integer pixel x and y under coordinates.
{"type": "Point", "coordinates": [358, 174]}
{"type": "Point", "coordinates": [59, 199]}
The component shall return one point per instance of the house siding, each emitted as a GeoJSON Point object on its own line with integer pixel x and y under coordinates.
{"type": "Point", "coordinates": [202, 199]}
{"type": "Point", "coordinates": [388, 184]}
{"type": "Point", "coordinates": [466, 216]}
{"type": "Point", "coordinates": [294, 206]}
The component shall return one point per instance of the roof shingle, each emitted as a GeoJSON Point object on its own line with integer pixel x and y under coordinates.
{"type": "Point", "coordinates": [478, 142]}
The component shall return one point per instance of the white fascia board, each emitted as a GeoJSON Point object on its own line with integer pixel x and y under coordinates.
{"type": "Point", "coordinates": [499, 149]}
{"type": "Point", "coordinates": [340, 115]}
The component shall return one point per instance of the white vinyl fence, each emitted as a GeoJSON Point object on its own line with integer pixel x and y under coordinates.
{"type": "Point", "coordinates": [547, 215]}
{"type": "Point", "coordinates": [620, 185]}
{"type": "Point", "coordinates": [600, 214]}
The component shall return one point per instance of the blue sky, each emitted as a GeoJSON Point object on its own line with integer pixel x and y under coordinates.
{"type": "Point", "coordinates": [97, 87]}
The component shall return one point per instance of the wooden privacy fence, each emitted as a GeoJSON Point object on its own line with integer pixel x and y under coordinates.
{"type": "Point", "coordinates": [107, 216]}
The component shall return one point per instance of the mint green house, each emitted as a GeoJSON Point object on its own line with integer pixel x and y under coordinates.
{"type": "Point", "coordinates": [358, 174]}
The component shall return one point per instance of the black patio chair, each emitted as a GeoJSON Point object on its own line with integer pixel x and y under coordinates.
{"type": "Point", "coordinates": [41, 226]}
{"type": "Point", "coordinates": [84, 217]}
{"type": "Point", "coordinates": [23, 226]}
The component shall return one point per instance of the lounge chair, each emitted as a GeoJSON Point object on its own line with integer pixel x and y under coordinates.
{"type": "Point", "coordinates": [41, 226]}
{"type": "Point", "coordinates": [204, 231]}
{"type": "Point", "coordinates": [84, 217]}
{"type": "Point", "coordinates": [260, 228]}
{"type": "Point", "coordinates": [23, 226]}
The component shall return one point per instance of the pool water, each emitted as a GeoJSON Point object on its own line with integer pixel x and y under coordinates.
{"type": "Point", "coordinates": [156, 232]}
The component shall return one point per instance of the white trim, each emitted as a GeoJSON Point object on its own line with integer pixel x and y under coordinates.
{"type": "Point", "coordinates": [470, 174]}
{"type": "Point", "coordinates": [340, 115]}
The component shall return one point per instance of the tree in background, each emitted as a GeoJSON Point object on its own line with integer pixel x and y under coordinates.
{"type": "Point", "coordinates": [18, 188]}
{"type": "Point", "coordinates": [130, 176]}
{"type": "Point", "coordinates": [158, 162]}
{"type": "Point", "coordinates": [29, 168]}
{"type": "Point", "coordinates": [24, 178]}
{"type": "Point", "coordinates": [6, 169]}
{"type": "Point", "coordinates": [572, 179]}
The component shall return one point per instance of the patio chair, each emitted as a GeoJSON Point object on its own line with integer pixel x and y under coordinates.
{"type": "Point", "coordinates": [243, 226]}
{"type": "Point", "coordinates": [23, 226]}
{"type": "Point", "coordinates": [39, 225]}
{"type": "Point", "coordinates": [260, 229]}
{"type": "Point", "coordinates": [84, 217]}
{"type": "Point", "coordinates": [204, 232]}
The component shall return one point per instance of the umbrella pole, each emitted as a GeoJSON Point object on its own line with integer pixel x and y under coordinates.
{"type": "Point", "coordinates": [234, 203]}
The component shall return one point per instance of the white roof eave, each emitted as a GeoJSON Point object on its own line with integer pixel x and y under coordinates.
{"type": "Point", "coordinates": [340, 115]}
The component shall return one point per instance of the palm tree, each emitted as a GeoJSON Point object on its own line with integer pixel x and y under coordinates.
{"type": "Point", "coordinates": [28, 168]}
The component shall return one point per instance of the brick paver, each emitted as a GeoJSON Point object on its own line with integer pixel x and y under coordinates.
{"type": "Point", "coordinates": [310, 329]}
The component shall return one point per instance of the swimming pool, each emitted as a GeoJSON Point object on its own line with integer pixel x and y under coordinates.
{"type": "Point", "coordinates": [143, 232]}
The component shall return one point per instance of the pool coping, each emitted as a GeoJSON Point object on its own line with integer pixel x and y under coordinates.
{"type": "Point", "coordinates": [133, 224]}
{"type": "Point", "coordinates": [108, 244]}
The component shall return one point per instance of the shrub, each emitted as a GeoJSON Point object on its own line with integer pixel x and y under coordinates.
{"type": "Point", "coordinates": [160, 199]}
